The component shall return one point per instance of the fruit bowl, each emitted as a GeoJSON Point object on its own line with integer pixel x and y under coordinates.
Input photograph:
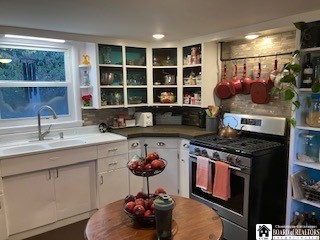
{"type": "Point", "coordinates": [143, 172]}
{"type": "Point", "coordinates": [149, 220]}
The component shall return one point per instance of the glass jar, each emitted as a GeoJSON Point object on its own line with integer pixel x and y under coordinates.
{"type": "Point", "coordinates": [313, 116]}
{"type": "Point", "coordinates": [311, 145]}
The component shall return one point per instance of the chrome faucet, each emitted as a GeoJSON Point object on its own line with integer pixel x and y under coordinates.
{"type": "Point", "coordinates": [42, 135]}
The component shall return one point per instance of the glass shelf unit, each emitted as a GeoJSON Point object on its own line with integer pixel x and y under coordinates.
{"type": "Point", "coordinates": [192, 75]}
{"type": "Point", "coordinates": [122, 75]}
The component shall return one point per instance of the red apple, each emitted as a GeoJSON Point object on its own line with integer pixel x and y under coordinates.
{"type": "Point", "coordinates": [148, 167]}
{"type": "Point", "coordinates": [133, 165]}
{"type": "Point", "coordinates": [152, 208]}
{"type": "Point", "coordinates": [139, 167]}
{"type": "Point", "coordinates": [148, 213]}
{"type": "Point", "coordinates": [157, 164]}
{"type": "Point", "coordinates": [129, 198]}
{"type": "Point", "coordinates": [159, 190]}
{"type": "Point", "coordinates": [130, 206]}
{"type": "Point", "coordinates": [139, 210]}
{"type": "Point", "coordinates": [141, 195]}
{"type": "Point", "coordinates": [149, 202]}
{"type": "Point", "coordinates": [140, 201]}
{"type": "Point", "coordinates": [151, 156]}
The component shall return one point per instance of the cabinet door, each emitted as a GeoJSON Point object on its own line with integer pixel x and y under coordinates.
{"type": "Point", "coordinates": [113, 186]}
{"type": "Point", "coordinates": [184, 168]}
{"type": "Point", "coordinates": [3, 224]}
{"type": "Point", "coordinates": [168, 179]}
{"type": "Point", "coordinates": [135, 182]}
{"type": "Point", "coordinates": [74, 188]}
{"type": "Point", "coordinates": [29, 200]}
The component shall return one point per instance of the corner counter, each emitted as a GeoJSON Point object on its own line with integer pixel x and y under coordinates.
{"type": "Point", "coordinates": [181, 131]}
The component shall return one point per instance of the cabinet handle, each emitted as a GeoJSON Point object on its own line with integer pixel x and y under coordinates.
{"type": "Point", "coordinates": [135, 144]}
{"type": "Point", "coordinates": [0, 206]}
{"type": "Point", "coordinates": [115, 163]}
{"type": "Point", "coordinates": [182, 160]}
{"type": "Point", "coordinates": [160, 144]}
{"type": "Point", "coordinates": [101, 180]}
{"type": "Point", "coordinates": [111, 164]}
{"type": "Point", "coordinates": [49, 174]}
{"type": "Point", "coordinates": [112, 149]}
{"type": "Point", "coordinates": [54, 158]}
{"type": "Point", "coordinates": [57, 171]}
{"type": "Point", "coordinates": [186, 145]}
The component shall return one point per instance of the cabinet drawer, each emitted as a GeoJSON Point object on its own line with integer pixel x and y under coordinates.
{"type": "Point", "coordinates": [112, 149]}
{"type": "Point", "coordinates": [162, 142]}
{"type": "Point", "coordinates": [12, 166]}
{"type": "Point", "coordinates": [112, 163]}
{"type": "Point", "coordinates": [134, 144]}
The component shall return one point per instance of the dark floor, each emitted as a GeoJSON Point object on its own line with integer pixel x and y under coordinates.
{"type": "Point", "coordinates": [73, 231]}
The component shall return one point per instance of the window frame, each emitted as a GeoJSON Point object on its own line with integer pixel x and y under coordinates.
{"type": "Point", "coordinates": [73, 119]}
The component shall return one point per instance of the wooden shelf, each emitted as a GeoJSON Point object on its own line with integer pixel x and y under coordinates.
{"type": "Point", "coordinates": [315, 166]}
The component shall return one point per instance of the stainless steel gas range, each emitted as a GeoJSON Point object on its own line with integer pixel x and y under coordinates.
{"type": "Point", "coordinates": [258, 163]}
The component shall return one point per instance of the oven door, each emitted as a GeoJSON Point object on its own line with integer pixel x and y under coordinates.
{"type": "Point", "coordinates": [235, 209]}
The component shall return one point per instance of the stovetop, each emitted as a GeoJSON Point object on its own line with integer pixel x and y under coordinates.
{"type": "Point", "coordinates": [241, 144]}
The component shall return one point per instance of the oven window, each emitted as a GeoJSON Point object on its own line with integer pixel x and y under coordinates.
{"type": "Point", "coordinates": [236, 201]}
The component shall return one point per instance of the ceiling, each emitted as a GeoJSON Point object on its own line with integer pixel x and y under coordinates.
{"type": "Point", "coordinates": [139, 19]}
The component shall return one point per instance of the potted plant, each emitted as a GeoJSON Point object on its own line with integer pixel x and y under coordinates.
{"type": "Point", "coordinates": [86, 99]}
{"type": "Point", "coordinates": [290, 73]}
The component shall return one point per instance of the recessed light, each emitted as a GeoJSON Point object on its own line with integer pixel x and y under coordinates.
{"type": "Point", "coordinates": [251, 36]}
{"type": "Point", "coordinates": [158, 36]}
{"type": "Point", "coordinates": [35, 38]}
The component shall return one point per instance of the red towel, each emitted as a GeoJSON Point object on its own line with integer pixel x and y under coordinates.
{"type": "Point", "coordinates": [221, 185]}
{"type": "Point", "coordinates": [204, 174]}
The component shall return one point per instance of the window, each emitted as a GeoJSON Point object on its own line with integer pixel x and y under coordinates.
{"type": "Point", "coordinates": [36, 76]}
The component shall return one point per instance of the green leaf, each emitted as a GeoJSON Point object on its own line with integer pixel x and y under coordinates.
{"type": "Point", "coordinates": [296, 68]}
{"type": "Point", "coordinates": [290, 78]}
{"type": "Point", "coordinates": [297, 104]}
{"type": "Point", "coordinates": [300, 25]}
{"type": "Point", "coordinates": [293, 122]}
{"type": "Point", "coordinates": [288, 94]}
{"type": "Point", "coordinates": [315, 86]}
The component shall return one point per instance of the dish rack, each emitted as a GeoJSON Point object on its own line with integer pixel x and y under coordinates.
{"type": "Point", "coordinates": [311, 190]}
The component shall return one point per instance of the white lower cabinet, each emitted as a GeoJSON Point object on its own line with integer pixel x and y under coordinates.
{"type": "Point", "coordinates": [3, 222]}
{"type": "Point", "coordinates": [80, 179]}
{"type": "Point", "coordinates": [113, 186]}
{"type": "Point", "coordinates": [29, 200]}
{"type": "Point", "coordinates": [184, 182]}
{"type": "Point", "coordinates": [167, 148]}
{"type": "Point", "coordinates": [113, 174]}
{"type": "Point", "coordinates": [39, 198]}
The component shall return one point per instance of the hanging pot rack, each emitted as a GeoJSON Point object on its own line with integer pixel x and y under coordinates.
{"type": "Point", "coordinates": [250, 57]}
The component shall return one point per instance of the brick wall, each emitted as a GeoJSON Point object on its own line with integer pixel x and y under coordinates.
{"type": "Point", "coordinates": [267, 45]}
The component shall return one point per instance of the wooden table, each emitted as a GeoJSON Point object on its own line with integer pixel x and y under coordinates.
{"type": "Point", "coordinates": [192, 220]}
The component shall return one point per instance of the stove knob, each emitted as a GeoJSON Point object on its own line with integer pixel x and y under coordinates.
{"type": "Point", "coordinates": [216, 155]}
{"type": "Point", "coordinates": [204, 153]}
{"type": "Point", "coordinates": [230, 159]}
{"type": "Point", "coordinates": [238, 161]}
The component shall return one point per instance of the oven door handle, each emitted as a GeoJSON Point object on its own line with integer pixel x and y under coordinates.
{"type": "Point", "coordinates": [213, 161]}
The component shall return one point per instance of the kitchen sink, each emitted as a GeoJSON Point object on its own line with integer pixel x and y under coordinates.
{"type": "Point", "coordinates": [66, 142]}
{"type": "Point", "coordinates": [25, 148]}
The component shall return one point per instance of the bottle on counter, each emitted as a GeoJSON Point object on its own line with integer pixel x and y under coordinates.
{"type": "Point", "coordinates": [202, 118]}
{"type": "Point", "coordinates": [307, 73]}
{"type": "Point", "coordinates": [296, 219]}
{"type": "Point", "coordinates": [305, 219]}
{"type": "Point", "coordinates": [313, 220]}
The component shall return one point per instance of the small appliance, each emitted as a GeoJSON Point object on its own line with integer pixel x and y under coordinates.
{"type": "Point", "coordinates": [143, 119]}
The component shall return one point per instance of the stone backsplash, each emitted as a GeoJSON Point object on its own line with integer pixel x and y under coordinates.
{"type": "Point", "coordinates": [252, 52]}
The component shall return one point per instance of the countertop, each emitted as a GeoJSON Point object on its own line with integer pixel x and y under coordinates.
{"type": "Point", "coordinates": [182, 131]}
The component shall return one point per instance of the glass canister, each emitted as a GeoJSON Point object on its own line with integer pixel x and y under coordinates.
{"type": "Point", "coordinates": [313, 116]}
{"type": "Point", "coordinates": [310, 143]}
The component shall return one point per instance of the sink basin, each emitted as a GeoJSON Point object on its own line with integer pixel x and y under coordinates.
{"type": "Point", "coordinates": [64, 143]}
{"type": "Point", "coordinates": [25, 148]}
